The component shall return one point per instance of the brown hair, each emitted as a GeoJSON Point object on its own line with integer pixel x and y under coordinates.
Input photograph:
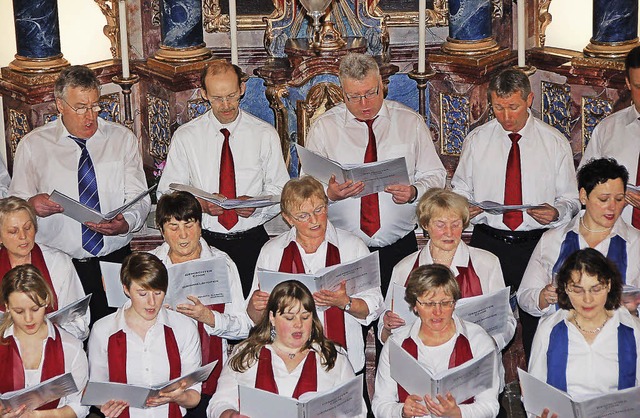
{"type": "Point", "coordinates": [296, 191]}
{"type": "Point", "coordinates": [146, 270]}
{"type": "Point", "coordinates": [428, 278]}
{"type": "Point", "coordinates": [179, 205]}
{"type": "Point", "coordinates": [436, 201]}
{"type": "Point", "coordinates": [216, 67]}
{"type": "Point", "coordinates": [13, 204]}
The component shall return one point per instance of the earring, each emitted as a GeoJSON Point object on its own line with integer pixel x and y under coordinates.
{"type": "Point", "coordinates": [272, 333]}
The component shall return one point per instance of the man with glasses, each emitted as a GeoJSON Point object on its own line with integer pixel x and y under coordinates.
{"type": "Point", "coordinates": [231, 152]}
{"type": "Point", "coordinates": [93, 161]}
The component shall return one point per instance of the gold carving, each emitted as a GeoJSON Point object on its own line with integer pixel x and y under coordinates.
{"type": "Point", "coordinates": [111, 29]}
{"type": "Point", "coordinates": [275, 94]}
{"type": "Point", "coordinates": [321, 97]}
{"type": "Point", "coordinates": [544, 19]}
{"type": "Point", "coordinates": [438, 16]}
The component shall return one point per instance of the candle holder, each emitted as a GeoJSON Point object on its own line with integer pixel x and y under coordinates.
{"type": "Point", "coordinates": [529, 70]}
{"type": "Point", "coordinates": [126, 84]}
{"type": "Point", "coordinates": [421, 78]}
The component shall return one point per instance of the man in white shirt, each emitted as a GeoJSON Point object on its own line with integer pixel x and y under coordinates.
{"type": "Point", "coordinates": [616, 136]}
{"type": "Point", "coordinates": [231, 152]}
{"type": "Point", "coordinates": [347, 132]}
{"type": "Point", "coordinates": [93, 161]}
{"type": "Point", "coordinates": [530, 151]}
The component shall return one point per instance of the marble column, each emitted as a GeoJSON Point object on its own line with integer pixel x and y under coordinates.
{"type": "Point", "coordinates": [615, 28]}
{"type": "Point", "coordinates": [469, 28]}
{"type": "Point", "coordinates": [181, 31]}
{"type": "Point", "coordinates": [37, 37]}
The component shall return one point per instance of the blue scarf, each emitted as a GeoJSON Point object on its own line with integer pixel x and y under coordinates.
{"type": "Point", "coordinates": [558, 354]}
{"type": "Point", "coordinates": [617, 252]}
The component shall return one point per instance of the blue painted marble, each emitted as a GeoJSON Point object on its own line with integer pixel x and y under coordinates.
{"type": "Point", "coordinates": [615, 20]}
{"type": "Point", "coordinates": [404, 90]}
{"type": "Point", "coordinates": [469, 20]}
{"type": "Point", "coordinates": [37, 28]}
{"type": "Point", "coordinates": [255, 101]}
{"type": "Point", "coordinates": [181, 23]}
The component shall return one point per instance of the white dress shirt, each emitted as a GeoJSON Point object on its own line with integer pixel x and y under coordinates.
{"type": "Point", "coordinates": [233, 323]}
{"type": "Point", "coordinates": [47, 160]}
{"type": "Point", "coordinates": [539, 272]}
{"type": "Point", "coordinates": [68, 288]}
{"type": "Point", "coordinates": [548, 174]}
{"type": "Point", "coordinates": [485, 264]}
{"type": "Point", "coordinates": [350, 247]}
{"type": "Point", "coordinates": [400, 132]}
{"type": "Point", "coordinates": [226, 397]}
{"type": "Point", "coordinates": [194, 159]}
{"type": "Point", "coordinates": [436, 360]}
{"type": "Point", "coordinates": [617, 136]}
{"type": "Point", "coordinates": [147, 361]}
{"type": "Point", "coordinates": [5, 180]}
{"type": "Point", "coordinates": [75, 361]}
{"type": "Point", "coordinates": [592, 369]}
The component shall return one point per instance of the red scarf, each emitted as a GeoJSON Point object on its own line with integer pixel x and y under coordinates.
{"type": "Point", "coordinates": [37, 259]}
{"type": "Point", "coordinates": [117, 357]}
{"type": "Point", "coordinates": [12, 368]}
{"type": "Point", "coordinates": [467, 279]}
{"type": "Point", "coordinates": [291, 262]}
{"type": "Point", "coordinates": [460, 355]}
{"type": "Point", "coordinates": [265, 380]}
{"type": "Point", "coordinates": [211, 346]}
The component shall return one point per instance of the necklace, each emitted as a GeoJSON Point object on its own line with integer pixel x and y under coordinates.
{"type": "Point", "coordinates": [440, 260]}
{"type": "Point", "coordinates": [595, 231]}
{"type": "Point", "coordinates": [290, 355]}
{"type": "Point", "coordinates": [592, 331]}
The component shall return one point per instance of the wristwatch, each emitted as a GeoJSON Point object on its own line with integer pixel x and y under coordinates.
{"type": "Point", "coordinates": [347, 307]}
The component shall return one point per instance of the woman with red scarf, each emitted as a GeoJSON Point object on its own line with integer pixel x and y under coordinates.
{"type": "Point", "coordinates": [439, 340]}
{"type": "Point", "coordinates": [143, 343]}
{"type": "Point", "coordinates": [18, 227]}
{"type": "Point", "coordinates": [286, 353]}
{"type": "Point", "coordinates": [33, 350]}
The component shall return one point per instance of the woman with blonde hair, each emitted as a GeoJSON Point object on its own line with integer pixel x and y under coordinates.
{"type": "Point", "coordinates": [33, 349]}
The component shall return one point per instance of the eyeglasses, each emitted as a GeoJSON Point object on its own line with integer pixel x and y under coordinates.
{"type": "Point", "coordinates": [232, 98]}
{"type": "Point", "coordinates": [96, 108]}
{"type": "Point", "coordinates": [306, 216]}
{"type": "Point", "coordinates": [445, 304]}
{"type": "Point", "coordinates": [357, 97]}
{"type": "Point", "coordinates": [594, 290]}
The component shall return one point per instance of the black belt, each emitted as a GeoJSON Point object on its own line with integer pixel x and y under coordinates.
{"type": "Point", "coordinates": [510, 237]}
{"type": "Point", "coordinates": [115, 257]}
{"type": "Point", "coordinates": [233, 235]}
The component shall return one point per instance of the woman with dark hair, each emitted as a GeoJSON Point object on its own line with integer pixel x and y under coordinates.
{"type": "Point", "coordinates": [286, 353]}
{"type": "Point", "coordinates": [32, 349]}
{"type": "Point", "coordinates": [179, 217]}
{"type": "Point", "coordinates": [143, 343]}
{"type": "Point", "coordinates": [439, 340]}
{"type": "Point", "coordinates": [589, 346]}
{"type": "Point", "coordinates": [602, 184]}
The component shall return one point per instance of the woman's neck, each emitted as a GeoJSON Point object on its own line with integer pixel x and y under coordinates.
{"type": "Point", "coordinates": [138, 324]}
{"type": "Point", "coordinates": [177, 258]}
{"type": "Point", "coordinates": [440, 256]}
{"type": "Point", "coordinates": [592, 234]}
{"type": "Point", "coordinates": [596, 322]}
{"type": "Point", "coordinates": [31, 339]}
{"type": "Point", "coordinates": [309, 245]}
{"type": "Point", "coordinates": [16, 260]}
{"type": "Point", "coordinates": [433, 338]}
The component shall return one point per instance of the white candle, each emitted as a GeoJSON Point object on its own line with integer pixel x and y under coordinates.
{"type": "Point", "coordinates": [233, 31]}
{"type": "Point", "coordinates": [422, 25]}
{"type": "Point", "coordinates": [522, 19]}
{"type": "Point", "coordinates": [124, 42]}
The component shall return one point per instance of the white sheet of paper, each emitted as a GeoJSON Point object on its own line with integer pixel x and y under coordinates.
{"type": "Point", "coordinates": [70, 312]}
{"type": "Point", "coordinates": [620, 404]}
{"type": "Point", "coordinates": [82, 213]}
{"type": "Point", "coordinates": [409, 374]}
{"type": "Point", "coordinates": [538, 395]}
{"type": "Point", "coordinates": [376, 176]}
{"type": "Point", "coordinates": [495, 208]}
{"type": "Point", "coordinates": [112, 285]}
{"type": "Point", "coordinates": [260, 403]}
{"type": "Point", "coordinates": [489, 311]}
{"type": "Point", "coordinates": [36, 396]}
{"type": "Point", "coordinates": [220, 200]}
{"type": "Point", "coordinates": [208, 280]}
{"type": "Point", "coordinates": [198, 375]}
{"type": "Point", "coordinates": [270, 279]}
{"type": "Point", "coordinates": [400, 306]}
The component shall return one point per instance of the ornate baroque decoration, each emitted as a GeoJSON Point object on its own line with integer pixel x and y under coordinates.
{"type": "Point", "coordinates": [110, 104]}
{"type": "Point", "coordinates": [497, 8]}
{"type": "Point", "coordinates": [159, 127]}
{"type": "Point", "coordinates": [111, 29]}
{"type": "Point", "coordinates": [49, 117]}
{"type": "Point", "coordinates": [321, 97]}
{"type": "Point", "coordinates": [454, 123]}
{"type": "Point", "coordinates": [438, 16]}
{"type": "Point", "coordinates": [155, 15]}
{"type": "Point", "coordinates": [197, 107]}
{"type": "Point", "coordinates": [212, 18]}
{"type": "Point", "coordinates": [18, 127]}
{"type": "Point", "coordinates": [556, 105]}
{"type": "Point", "coordinates": [593, 111]}
{"type": "Point", "coordinates": [543, 20]}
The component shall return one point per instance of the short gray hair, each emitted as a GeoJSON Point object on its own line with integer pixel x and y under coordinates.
{"type": "Point", "coordinates": [75, 76]}
{"type": "Point", "coordinates": [509, 81]}
{"type": "Point", "coordinates": [357, 66]}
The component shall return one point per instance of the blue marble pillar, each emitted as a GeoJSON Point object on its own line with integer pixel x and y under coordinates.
{"type": "Point", "coordinates": [469, 20]}
{"type": "Point", "coordinates": [615, 20]}
{"type": "Point", "coordinates": [182, 23]}
{"type": "Point", "coordinates": [37, 28]}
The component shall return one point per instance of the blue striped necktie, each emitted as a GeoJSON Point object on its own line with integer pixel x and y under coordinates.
{"type": "Point", "coordinates": [92, 241]}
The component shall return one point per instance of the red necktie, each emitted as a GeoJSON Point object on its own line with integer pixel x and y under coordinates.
{"type": "Point", "coordinates": [513, 184]}
{"type": "Point", "coordinates": [369, 207]}
{"type": "Point", "coordinates": [227, 181]}
{"type": "Point", "coordinates": [635, 215]}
